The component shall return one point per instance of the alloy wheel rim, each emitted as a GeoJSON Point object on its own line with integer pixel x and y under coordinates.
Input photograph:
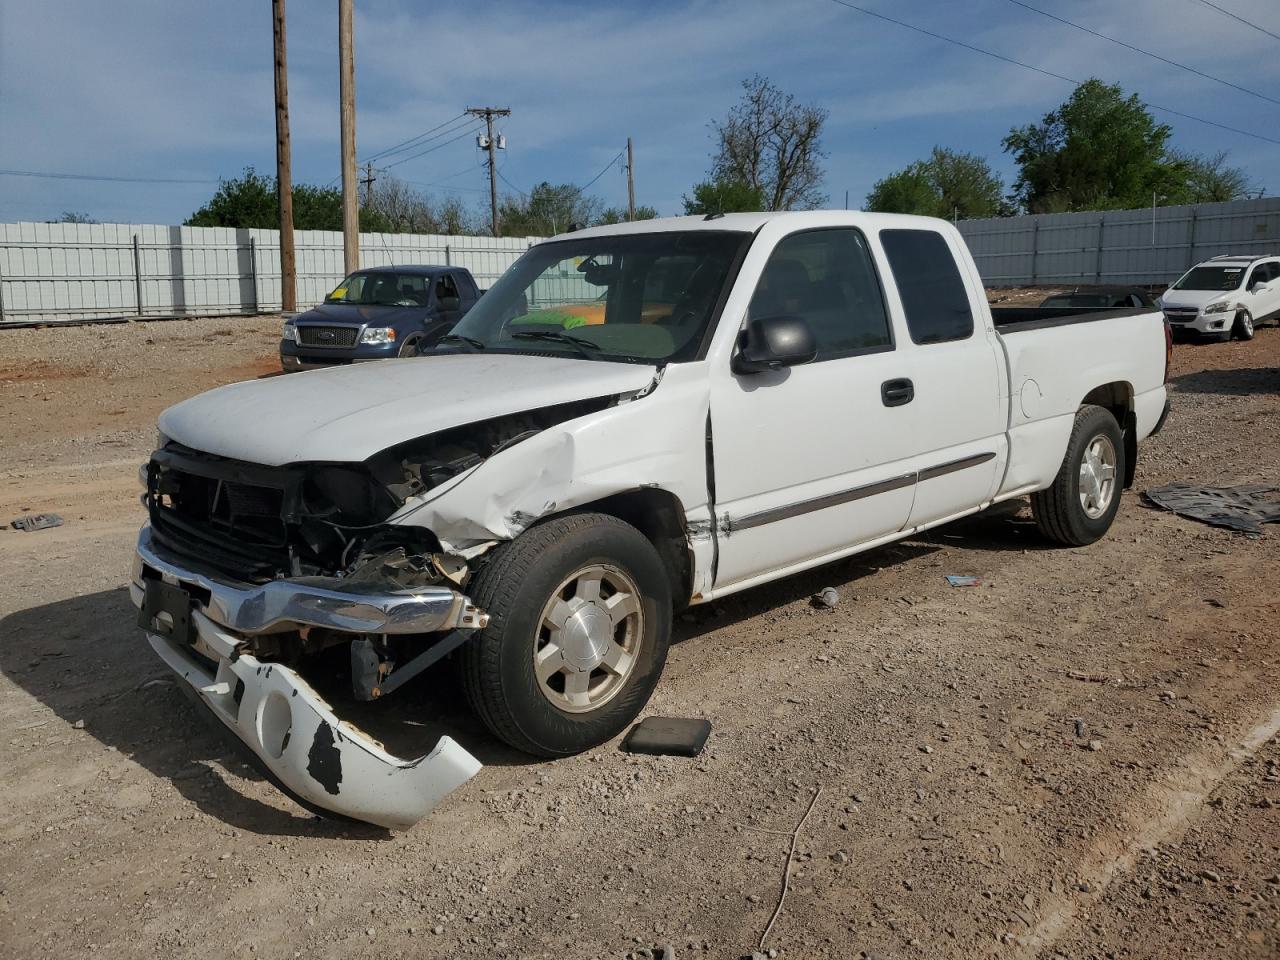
{"type": "Point", "coordinates": [1097, 476]}
{"type": "Point", "coordinates": [588, 638]}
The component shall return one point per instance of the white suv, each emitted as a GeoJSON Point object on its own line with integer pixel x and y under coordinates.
{"type": "Point", "coordinates": [1224, 297]}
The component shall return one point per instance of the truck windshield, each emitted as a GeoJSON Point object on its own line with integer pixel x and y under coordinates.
{"type": "Point", "coordinates": [1210, 278]}
{"type": "Point", "coordinates": [641, 298]}
{"type": "Point", "coordinates": [382, 288]}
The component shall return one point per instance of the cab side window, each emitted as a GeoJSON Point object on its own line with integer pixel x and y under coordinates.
{"type": "Point", "coordinates": [933, 294]}
{"type": "Point", "coordinates": [1263, 273]}
{"type": "Point", "coordinates": [445, 287]}
{"type": "Point", "coordinates": [827, 278]}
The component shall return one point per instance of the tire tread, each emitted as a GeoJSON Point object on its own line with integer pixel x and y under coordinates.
{"type": "Point", "coordinates": [494, 591]}
{"type": "Point", "coordinates": [1055, 507]}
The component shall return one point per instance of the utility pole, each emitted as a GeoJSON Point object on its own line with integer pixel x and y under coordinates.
{"type": "Point", "coordinates": [368, 182]}
{"type": "Point", "coordinates": [631, 183]}
{"type": "Point", "coordinates": [284, 176]}
{"type": "Point", "coordinates": [489, 113]}
{"type": "Point", "coordinates": [347, 95]}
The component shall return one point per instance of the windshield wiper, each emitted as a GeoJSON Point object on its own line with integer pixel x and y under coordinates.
{"type": "Point", "coordinates": [581, 344]}
{"type": "Point", "coordinates": [472, 342]}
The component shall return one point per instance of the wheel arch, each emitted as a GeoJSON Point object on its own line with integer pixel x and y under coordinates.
{"type": "Point", "coordinates": [1117, 398]}
{"type": "Point", "coordinates": [660, 516]}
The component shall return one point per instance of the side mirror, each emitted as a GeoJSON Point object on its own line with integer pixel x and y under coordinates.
{"type": "Point", "coordinates": [770, 343]}
{"type": "Point", "coordinates": [449, 303]}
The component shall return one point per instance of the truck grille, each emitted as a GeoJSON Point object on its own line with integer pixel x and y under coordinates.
{"type": "Point", "coordinates": [327, 336]}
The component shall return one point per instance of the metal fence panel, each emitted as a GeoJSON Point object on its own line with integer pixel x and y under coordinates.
{"type": "Point", "coordinates": [1147, 246]}
{"type": "Point", "coordinates": [56, 272]}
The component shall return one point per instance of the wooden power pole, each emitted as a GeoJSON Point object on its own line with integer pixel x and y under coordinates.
{"type": "Point", "coordinates": [631, 183]}
{"type": "Point", "coordinates": [368, 181]}
{"type": "Point", "coordinates": [347, 94]}
{"type": "Point", "coordinates": [284, 176]}
{"type": "Point", "coordinates": [489, 113]}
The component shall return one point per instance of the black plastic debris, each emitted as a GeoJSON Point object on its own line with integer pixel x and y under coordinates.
{"type": "Point", "coordinates": [39, 521]}
{"type": "Point", "coordinates": [668, 736]}
{"type": "Point", "coordinates": [1244, 508]}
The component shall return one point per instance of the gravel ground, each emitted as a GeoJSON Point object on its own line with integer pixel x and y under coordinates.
{"type": "Point", "coordinates": [1077, 759]}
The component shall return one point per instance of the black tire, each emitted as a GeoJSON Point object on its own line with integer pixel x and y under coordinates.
{"type": "Point", "coordinates": [518, 579]}
{"type": "Point", "coordinates": [1242, 329]}
{"type": "Point", "coordinates": [1058, 511]}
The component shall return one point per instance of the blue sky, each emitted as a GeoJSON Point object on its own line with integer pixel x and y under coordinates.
{"type": "Point", "coordinates": [156, 88]}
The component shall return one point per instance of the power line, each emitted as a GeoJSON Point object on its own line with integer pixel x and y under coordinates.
{"type": "Point", "coordinates": [607, 166]}
{"type": "Point", "coordinates": [97, 177]}
{"type": "Point", "coordinates": [503, 177]}
{"type": "Point", "coordinates": [415, 141]}
{"type": "Point", "coordinates": [1147, 53]}
{"type": "Point", "coordinates": [465, 133]}
{"type": "Point", "coordinates": [1247, 23]}
{"type": "Point", "coordinates": [1040, 70]}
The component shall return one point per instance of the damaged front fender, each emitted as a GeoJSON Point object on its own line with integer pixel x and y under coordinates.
{"type": "Point", "coordinates": [652, 441]}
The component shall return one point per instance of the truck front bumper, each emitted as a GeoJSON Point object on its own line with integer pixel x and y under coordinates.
{"type": "Point", "coordinates": [324, 762]}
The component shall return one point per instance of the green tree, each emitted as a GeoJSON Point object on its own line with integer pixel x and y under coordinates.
{"type": "Point", "coordinates": [250, 202]}
{"type": "Point", "coordinates": [948, 184]}
{"type": "Point", "coordinates": [723, 196]}
{"type": "Point", "coordinates": [773, 144]}
{"type": "Point", "coordinates": [619, 215]}
{"type": "Point", "coordinates": [247, 201]}
{"type": "Point", "coordinates": [1100, 150]}
{"type": "Point", "coordinates": [547, 210]}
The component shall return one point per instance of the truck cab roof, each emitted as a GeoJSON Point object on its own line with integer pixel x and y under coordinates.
{"type": "Point", "coordinates": [751, 222]}
{"type": "Point", "coordinates": [417, 269]}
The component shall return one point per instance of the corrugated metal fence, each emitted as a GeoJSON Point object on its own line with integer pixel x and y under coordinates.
{"type": "Point", "coordinates": [1149, 246]}
{"type": "Point", "coordinates": [57, 272]}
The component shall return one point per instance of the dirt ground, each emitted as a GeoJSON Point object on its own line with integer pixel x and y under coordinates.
{"type": "Point", "coordinates": [1077, 759]}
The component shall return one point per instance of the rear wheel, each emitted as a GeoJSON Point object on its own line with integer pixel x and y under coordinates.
{"type": "Point", "coordinates": [579, 622]}
{"type": "Point", "coordinates": [1082, 503]}
{"type": "Point", "coordinates": [1242, 329]}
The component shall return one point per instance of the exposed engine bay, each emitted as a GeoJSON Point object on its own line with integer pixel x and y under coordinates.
{"type": "Point", "coordinates": [258, 523]}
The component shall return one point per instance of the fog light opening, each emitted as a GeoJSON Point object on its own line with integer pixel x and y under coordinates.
{"type": "Point", "coordinates": [275, 723]}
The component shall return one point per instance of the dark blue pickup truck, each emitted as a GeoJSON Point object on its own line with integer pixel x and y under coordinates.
{"type": "Point", "coordinates": [376, 313]}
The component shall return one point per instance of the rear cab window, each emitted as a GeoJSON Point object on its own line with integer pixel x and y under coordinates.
{"type": "Point", "coordinates": [934, 297]}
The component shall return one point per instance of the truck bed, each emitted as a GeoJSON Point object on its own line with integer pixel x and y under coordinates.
{"type": "Point", "coordinates": [1016, 319]}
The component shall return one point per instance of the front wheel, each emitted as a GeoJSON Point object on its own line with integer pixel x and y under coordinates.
{"type": "Point", "coordinates": [1082, 503]}
{"type": "Point", "coordinates": [409, 348]}
{"type": "Point", "coordinates": [1242, 329]}
{"type": "Point", "coordinates": [579, 622]}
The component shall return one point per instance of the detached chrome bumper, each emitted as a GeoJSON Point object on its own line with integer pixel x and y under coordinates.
{"type": "Point", "coordinates": [321, 760]}
{"type": "Point", "coordinates": [313, 601]}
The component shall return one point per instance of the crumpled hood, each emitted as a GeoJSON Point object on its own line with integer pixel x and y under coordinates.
{"type": "Point", "coordinates": [355, 313]}
{"type": "Point", "coordinates": [347, 414]}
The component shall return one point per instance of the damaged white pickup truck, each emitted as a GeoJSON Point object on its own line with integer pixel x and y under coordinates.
{"type": "Point", "coordinates": [633, 419]}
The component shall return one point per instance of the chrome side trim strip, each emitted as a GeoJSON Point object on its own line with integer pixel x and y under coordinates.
{"type": "Point", "coordinates": [817, 503]}
{"type": "Point", "coordinates": [751, 520]}
{"type": "Point", "coordinates": [942, 469]}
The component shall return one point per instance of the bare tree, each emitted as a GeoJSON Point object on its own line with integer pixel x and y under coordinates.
{"type": "Point", "coordinates": [1212, 179]}
{"type": "Point", "coordinates": [773, 144]}
{"type": "Point", "coordinates": [411, 211]}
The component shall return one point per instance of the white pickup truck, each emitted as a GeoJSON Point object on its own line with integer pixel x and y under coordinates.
{"type": "Point", "coordinates": [634, 419]}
